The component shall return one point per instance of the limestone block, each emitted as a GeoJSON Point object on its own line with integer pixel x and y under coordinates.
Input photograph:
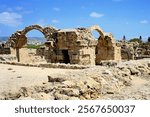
{"type": "Point", "coordinates": [57, 79]}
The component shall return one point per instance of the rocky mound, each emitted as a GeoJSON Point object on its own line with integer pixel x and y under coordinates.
{"type": "Point", "coordinates": [7, 58]}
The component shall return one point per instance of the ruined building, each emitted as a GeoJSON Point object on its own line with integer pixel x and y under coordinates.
{"type": "Point", "coordinates": [74, 46]}
{"type": "Point", "coordinates": [4, 50]}
{"type": "Point", "coordinates": [134, 50]}
{"type": "Point", "coordinates": [129, 50]}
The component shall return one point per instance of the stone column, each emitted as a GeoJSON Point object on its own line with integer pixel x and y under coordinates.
{"type": "Point", "coordinates": [18, 54]}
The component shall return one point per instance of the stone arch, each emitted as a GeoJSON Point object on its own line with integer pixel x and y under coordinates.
{"type": "Point", "coordinates": [104, 37]}
{"type": "Point", "coordinates": [106, 48]}
{"type": "Point", "coordinates": [98, 29]}
{"type": "Point", "coordinates": [18, 39]}
{"type": "Point", "coordinates": [32, 27]}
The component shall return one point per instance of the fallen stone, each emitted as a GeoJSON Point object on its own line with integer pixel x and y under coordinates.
{"type": "Point", "coordinates": [53, 79]}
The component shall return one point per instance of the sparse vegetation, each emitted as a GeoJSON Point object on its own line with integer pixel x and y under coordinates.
{"type": "Point", "coordinates": [31, 46]}
{"type": "Point", "coordinates": [139, 40]}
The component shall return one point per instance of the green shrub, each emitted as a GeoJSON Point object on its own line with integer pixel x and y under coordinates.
{"type": "Point", "coordinates": [31, 46]}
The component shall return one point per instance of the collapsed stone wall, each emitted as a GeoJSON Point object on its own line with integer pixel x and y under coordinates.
{"type": "Point", "coordinates": [107, 48]}
{"type": "Point", "coordinates": [4, 50]}
{"type": "Point", "coordinates": [40, 51]}
{"type": "Point", "coordinates": [79, 44]}
{"type": "Point", "coordinates": [134, 50]}
{"type": "Point", "coordinates": [83, 48]}
{"type": "Point", "coordinates": [129, 50]}
{"type": "Point", "coordinates": [144, 51]}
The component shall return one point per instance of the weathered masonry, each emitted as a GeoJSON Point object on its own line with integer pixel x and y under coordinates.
{"type": "Point", "coordinates": [4, 50]}
{"type": "Point", "coordinates": [74, 46]}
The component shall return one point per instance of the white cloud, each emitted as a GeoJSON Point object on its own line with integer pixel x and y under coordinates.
{"type": "Point", "coordinates": [55, 21]}
{"type": "Point", "coordinates": [56, 9]}
{"type": "Point", "coordinates": [10, 18]}
{"type": "Point", "coordinates": [96, 15]}
{"type": "Point", "coordinates": [144, 22]}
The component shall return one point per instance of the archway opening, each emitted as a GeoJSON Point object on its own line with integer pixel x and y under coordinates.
{"type": "Point", "coordinates": [34, 50]}
{"type": "Point", "coordinates": [35, 39]}
{"type": "Point", "coordinates": [101, 50]}
{"type": "Point", "coordinates": [95, 34]}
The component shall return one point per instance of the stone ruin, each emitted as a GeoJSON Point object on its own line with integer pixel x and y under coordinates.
{"type": "Point", "coordinates": [134, 50]}
{"type": "Point", "coordinates": [144, 51]}
{"type": "Point", "coordinates": [74, 46]}
{"type": "Point", "coordinates": [129, 50]}
{"type": "Point", "coordinates": [4, 50]}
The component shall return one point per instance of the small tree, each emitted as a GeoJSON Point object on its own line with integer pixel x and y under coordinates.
{"type": "Point", "coordinates": [140, 38]}
{"type": "Point", "coordinates": [124, 38]}
{"type": "Point", "coordinates": [148, 40]}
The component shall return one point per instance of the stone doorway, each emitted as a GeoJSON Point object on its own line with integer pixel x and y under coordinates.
{"type": "Point", "coordinates": [66, 58]}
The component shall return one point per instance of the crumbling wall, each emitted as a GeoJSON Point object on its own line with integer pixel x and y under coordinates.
{"type": "Point", "coordinates": [40, 51]}
{"type": "Point", "coordinates": [79, 44]}
{"type": "Point", "coordinates": [144, 51]}
{"type": "Point", "coordinates": [4, 50]}
{"type": "Point", "coordinates": [129, 50]}
{"type": "Point", "coordinates": [107, 48]}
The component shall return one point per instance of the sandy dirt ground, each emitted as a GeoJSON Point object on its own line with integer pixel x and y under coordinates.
{"type": "Point", "coordinates": [13, 77]}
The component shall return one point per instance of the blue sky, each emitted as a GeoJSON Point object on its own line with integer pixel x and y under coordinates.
{"type": "Point", "coordinates": [121, 17]}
